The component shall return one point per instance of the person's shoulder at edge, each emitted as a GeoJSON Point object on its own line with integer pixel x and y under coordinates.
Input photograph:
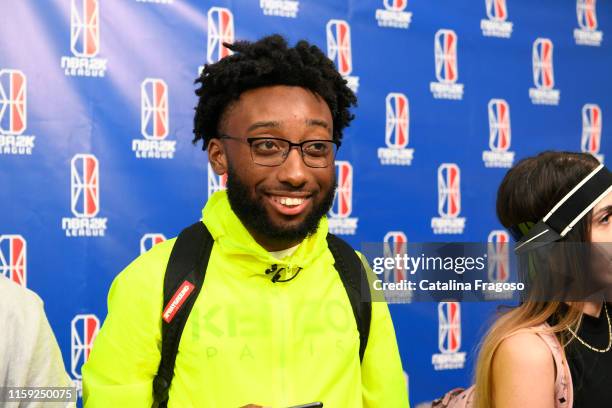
{"type": "Point", "coordinates": [33, 355]}
{"type": "Point", "coordinates": [15, 299]}
{"type": "Point", "coordinates": [523, 372]}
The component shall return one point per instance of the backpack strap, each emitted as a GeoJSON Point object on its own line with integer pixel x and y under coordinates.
{"type": "Point", "coordinates": [182, 283]}
{"type": "Point", "coordinates": [355, 280]}
{"type": "Point", "coordinates": [564, 388]}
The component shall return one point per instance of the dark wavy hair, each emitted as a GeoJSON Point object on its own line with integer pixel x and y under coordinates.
{"type": "Point", "coordinates": [269, 62]}
{"type": "Point", "coordinates": [527, 193]}
{"type": "Point", "coordinates": [532, 188]}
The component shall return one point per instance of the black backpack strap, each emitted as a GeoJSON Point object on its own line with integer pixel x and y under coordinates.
{"type": "Point", "coordinates": [355, 280]}
{"type": "Point", "coordinates": [183, 280]}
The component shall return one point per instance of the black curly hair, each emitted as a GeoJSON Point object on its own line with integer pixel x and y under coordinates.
{"type": "Point", "coordinates": [269, 62]}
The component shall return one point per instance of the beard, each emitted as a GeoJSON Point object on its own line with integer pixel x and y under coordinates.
{"type": "Point", "coordinates": [254, 216]}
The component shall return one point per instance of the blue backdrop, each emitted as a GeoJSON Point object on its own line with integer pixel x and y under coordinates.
{"type": "Point", "coordinates": [96, 111]}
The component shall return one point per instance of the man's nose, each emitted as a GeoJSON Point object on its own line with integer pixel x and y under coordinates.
{"type": "Point", "coordinates": [293, 171]}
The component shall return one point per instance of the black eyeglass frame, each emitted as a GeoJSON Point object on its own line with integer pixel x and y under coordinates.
{"type": "Point", "coordinates": [251, 140]}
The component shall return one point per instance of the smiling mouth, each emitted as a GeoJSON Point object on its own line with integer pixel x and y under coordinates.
{"type": "Point", "coordinates": [289, 201]}
{"type": "Point", "coordinates": [289, 205]}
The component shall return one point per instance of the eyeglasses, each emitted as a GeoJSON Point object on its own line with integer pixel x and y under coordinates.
{"type": "Point", "coordinates": [273, 151]}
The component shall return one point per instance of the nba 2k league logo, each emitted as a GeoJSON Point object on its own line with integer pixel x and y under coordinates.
{"type": "Point", "coordinates": [591, 130]}
{"type": "Point", "coordinates": [154, 122]}
{"type": "Point", "coordinates": [587, 34]}
{"type": "Point", "coordinates": [84, 198]}
{"type": "Point", "coordinates": [84, 41]}
{"type": "Point", "coordinates": [220, 30]}
{"type": "Point", "coordinates": [498, 257]}
{"type": "Point", "coordinates": [149, 240]}
{"type": "Point", "coordinates": [396, 132]}
{"type": "Point", "coordinates": [395, 245]}
{"type": "Point", "coordinates": [499, 135]}
{"type": "Point", "coordinates": [13, 258]}
{"type": "Point", "coordinates": [339, 217]}
{"type": "Point", "coordinates": [449, 338]}
{"type": "Point", "coordinates": [449, 201]}
{"type": "Point", "coordinates": [543, 74]}
{"type": "Point", "coordinates": [496, 24]}
{"type": "Point", "coordinates": [339, 50]}
{"type": "Point", "coordinates": [447, 67]}
{"type": "Point", "coordinates": [393, 15]}
{"type": "Point", "coordinates": [280, 8]}
{"type": "Point", "coordinates": [83, 331]}
{"type": "Point", "coordinates": [14, 114]}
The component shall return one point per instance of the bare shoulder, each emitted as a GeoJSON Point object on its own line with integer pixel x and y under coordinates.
{"type": "Point", "coordinates": [523, 372]}
{"type": "Point", "coordinates": [523, 350]}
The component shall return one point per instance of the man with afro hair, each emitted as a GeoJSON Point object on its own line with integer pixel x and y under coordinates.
{"type": "Point", "coordinates": [278, 321]}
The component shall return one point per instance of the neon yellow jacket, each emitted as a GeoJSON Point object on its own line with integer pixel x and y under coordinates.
{"type": "Point", "coordinates": [247, 340]}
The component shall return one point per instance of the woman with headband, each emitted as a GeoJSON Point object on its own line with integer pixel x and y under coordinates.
{"type": "Point", "coordinates": [547, 201]}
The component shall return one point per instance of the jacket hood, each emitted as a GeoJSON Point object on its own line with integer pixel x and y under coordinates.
{"type": "Point", "coordinates": [234, 239]}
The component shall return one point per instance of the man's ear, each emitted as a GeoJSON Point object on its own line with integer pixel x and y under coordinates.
{"type": "Point", "coordinates": [217, 157]}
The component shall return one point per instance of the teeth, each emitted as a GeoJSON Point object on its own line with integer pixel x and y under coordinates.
{"type": "Point", "coordinates": [289, 201]}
